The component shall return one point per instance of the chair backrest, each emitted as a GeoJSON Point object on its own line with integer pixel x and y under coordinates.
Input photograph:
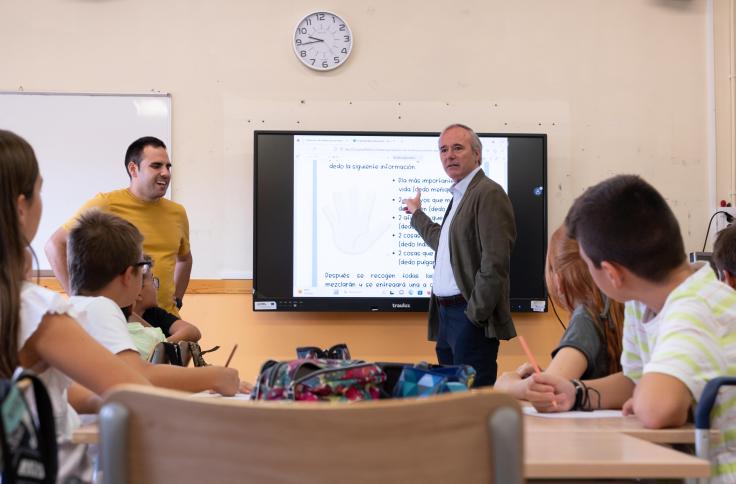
{"type": "Point", "coordinates": [151, 435]}
{"type": "Point", "coordinates": [703, 416]}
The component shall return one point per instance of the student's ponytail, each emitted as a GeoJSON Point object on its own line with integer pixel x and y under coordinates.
{"type": "Point", "coordinates": [18, 174]}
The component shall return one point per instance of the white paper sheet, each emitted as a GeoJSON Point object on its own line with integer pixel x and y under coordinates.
{"type": "Point", "coordinates": [529, 410]}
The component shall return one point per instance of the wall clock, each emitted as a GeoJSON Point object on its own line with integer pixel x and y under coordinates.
{"type": "Point", "coordinates": [322, 41]}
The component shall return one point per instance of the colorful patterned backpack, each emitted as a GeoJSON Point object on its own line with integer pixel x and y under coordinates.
{"type": "Point", "coordinates": [312, 379]}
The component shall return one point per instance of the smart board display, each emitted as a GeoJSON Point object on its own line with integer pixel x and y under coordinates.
{"type": "Point", "coordinates": [330, 235]}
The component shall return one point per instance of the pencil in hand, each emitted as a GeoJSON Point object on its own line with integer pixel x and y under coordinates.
{"type": "Point", "coordinates": [229, 358]}
{"type": "Point", "coordinates": [533, 361]}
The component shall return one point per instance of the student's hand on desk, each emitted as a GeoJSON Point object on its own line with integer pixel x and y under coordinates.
{"type": "Point", "coordinates": [227, 382]}
{"type": "Point", "coordinates": [515, 382]}
{"type": "Point", "coordinates": [246, 387]}
{"type": "Point", "coordinates": [628, 408]}
{"type": "Point", "coordinates": [550, 393]}
{"type": "Point", "coordinates": [525, 370]}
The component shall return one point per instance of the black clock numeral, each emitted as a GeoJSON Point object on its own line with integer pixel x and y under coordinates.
{"type": "Point", "coordinates": [298, 41]}
{"type": "Point", "coordinates": [308, 21]}
{"type": "Point", "coordinates": [333, 19]}
{"type": "Point", "coordinates": [342, 28]}
{"type": "Point", "coordinates": [320, 16]}
{"type": "Point", "coordinates": [325, 64]}
{"type": "Point", "coordinates": [302, 30]}
{"type": "Point", "coordinates": [344, 50]}
{"type": "Point", "coordinates": [312, 61]}
{"type": "Point", "coordinates": [336, 60]}
{"type": "Point", "coordinates": [303, 53]}
{"type": "Point", "coordinates": [347, 38]}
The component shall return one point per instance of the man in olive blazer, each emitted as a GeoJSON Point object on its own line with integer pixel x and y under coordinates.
{"type": "Point", "coordinates": [469, 309]}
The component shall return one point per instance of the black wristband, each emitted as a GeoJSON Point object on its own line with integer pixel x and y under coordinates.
{"type": "Point", "coordinates": [579, 394]}
{"type": "Point", "coordinates": [178, 302]}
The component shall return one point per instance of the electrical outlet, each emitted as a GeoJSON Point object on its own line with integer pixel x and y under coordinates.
{"type": "Point", "coordinates": [722, 220]}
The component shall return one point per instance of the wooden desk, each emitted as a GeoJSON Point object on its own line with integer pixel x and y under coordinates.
{"type": "Point", "coordinates": [625, 425]}
{"type": "Point", "coordinates": [86, 434]}
{"type": "Point", "coordinates": [551, 452]}
{"type": "Point", "coordinates": [621, 448]}
{"type": "Point", "coordinates": [581, 455]}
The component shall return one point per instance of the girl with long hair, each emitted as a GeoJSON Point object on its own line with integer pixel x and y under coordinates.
{"type": "Point", "coordinates": [591, 345]}
{"type": "Point", "coordinates": [37, 329]}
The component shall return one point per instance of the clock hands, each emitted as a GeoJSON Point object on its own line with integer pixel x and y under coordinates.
{"type": "Point", "coordinates": [315, 39]}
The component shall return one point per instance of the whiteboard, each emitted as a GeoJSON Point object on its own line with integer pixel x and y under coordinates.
{"type": "Point", "coordinates": [80, 142]}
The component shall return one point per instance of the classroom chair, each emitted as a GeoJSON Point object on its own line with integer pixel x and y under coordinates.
{"type": "Point", "coordinates": [702, 416]}
{"type": "Point", "coordinates": [153, 435]}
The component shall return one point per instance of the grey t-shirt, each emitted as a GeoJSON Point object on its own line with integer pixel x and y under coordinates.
{"type": "Point", "coordinates": [583, 335]}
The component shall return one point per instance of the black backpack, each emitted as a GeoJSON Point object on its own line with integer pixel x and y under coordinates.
{"type": "Point", "coordinates": [27, 438]}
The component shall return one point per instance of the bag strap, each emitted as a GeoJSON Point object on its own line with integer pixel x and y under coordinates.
{"type": "Point", "coordinates": [185, 352]}
{"type": "Point", "coordinates": [46, 423]}
{"type": "Point", "coordinates": [173, 353]}
{"type": "Point", "coordinates": [204, 352]}
{"type": "Point", "coordinates": [5, 458]}
{"type": "Point", "coordinates": [194, 352]}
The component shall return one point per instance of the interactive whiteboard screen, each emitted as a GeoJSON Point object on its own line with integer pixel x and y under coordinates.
{"type": "Point", "coordinates": [345, 243]}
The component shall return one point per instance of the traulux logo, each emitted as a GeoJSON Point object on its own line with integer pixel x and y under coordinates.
{"type": "Point", "coordinates": [401, 305]}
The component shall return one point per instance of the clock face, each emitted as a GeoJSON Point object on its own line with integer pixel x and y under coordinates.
{"type": "Point", "coordinates": [322, 41]}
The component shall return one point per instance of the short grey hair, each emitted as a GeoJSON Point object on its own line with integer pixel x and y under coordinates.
{"type": "Point", "coordinates": [475, 143]}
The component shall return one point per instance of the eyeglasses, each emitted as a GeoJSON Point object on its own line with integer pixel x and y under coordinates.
{"type": "Point", "coordinates": [336, 352]}
{"type": "Point", "coordinates": [144, 265]}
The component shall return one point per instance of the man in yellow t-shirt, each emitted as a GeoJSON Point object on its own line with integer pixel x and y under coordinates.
{"type": "Point", "coordinates": [163, 223]}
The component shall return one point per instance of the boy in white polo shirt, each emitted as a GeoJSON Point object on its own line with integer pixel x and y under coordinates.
{"type": "Point", "coordinates": [101, 248]}
{"type": "Point", "coordinates": [680, 323]}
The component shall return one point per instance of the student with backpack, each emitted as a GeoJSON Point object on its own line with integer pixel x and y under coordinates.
{"type": "Point", "coordinates": [591, 344]}
{"type": "Point", "coordinates": [679, 324]}
{"type": "Point", "coordinates": [37, 326]}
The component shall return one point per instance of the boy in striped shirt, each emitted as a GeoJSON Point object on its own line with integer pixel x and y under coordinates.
{"type": "Point", "coordinates": [680, 323]}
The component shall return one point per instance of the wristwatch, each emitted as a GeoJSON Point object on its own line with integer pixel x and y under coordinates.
{"type": "Point", "coordinates": [178, 302]}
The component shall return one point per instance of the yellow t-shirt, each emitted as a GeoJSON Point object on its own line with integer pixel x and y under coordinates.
{"type": "Point", "coordinates": [165, 228]}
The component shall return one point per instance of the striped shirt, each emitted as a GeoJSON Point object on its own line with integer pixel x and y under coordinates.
{"type": "Point", "coordinates": [693, 339]}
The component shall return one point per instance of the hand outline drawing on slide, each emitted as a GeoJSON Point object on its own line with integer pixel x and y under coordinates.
{"type": "Point", "coordinates": [351, 219]}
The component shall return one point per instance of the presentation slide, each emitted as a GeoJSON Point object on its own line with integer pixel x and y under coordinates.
{"type": "Point", "coordinates": [351, 235]}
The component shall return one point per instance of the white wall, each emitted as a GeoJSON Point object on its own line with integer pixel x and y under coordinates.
{"type": "Point", "coordinates": [619, 86]}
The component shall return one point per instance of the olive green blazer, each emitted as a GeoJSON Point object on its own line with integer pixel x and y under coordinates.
{"type": "Point", "coordinates": [482, 235]}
